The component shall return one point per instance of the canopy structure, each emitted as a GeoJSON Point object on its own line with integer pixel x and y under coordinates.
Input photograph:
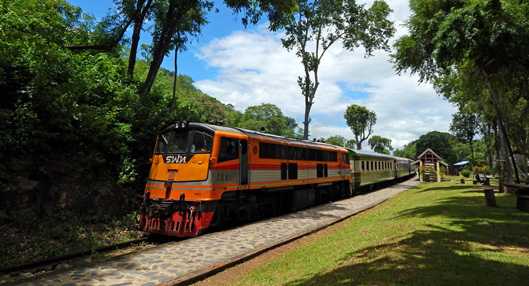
{"type": "Point", "coordinates": [462, 163]}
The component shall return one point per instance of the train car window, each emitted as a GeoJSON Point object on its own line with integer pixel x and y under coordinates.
{"type": "Point", "coordinates": [229, 149]}
{"type": "Point", "coordinates": [265, 151]}
{"type": "Point", "coordinates": [284, 152]}
{"type": "Point", "coordinates": [283, 171]}
{"type": "Point", "coordinates": [294, 153]}
{"type": "Point", "coordinates": [363, 166]}
{"type": "Point", "coordinates": [292, 171]}
{"type": "Point", "coordinates": [311, 154]}
{"type": "Point", "coordinates": [163, 142]}
{"type": "Point", "coordinates": [201, 143]}
{"type": "Point", "coordinates": [319, 170]}
{"type": "Point", "coordinates": [178, 142]}
{"type": "Point", "coordinates": [325, 170]}
{"type": "Point", "coordinates": [319, 155]}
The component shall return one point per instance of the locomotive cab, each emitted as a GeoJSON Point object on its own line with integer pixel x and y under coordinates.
{"type": "Point", "coordinates": [177, 179]}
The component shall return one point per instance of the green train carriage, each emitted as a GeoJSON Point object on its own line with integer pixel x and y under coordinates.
{"type": "Point", "coordinates": [370, 170]}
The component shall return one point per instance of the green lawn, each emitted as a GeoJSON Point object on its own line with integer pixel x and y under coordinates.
{"type": "Point", "coordinates": [434, 234]}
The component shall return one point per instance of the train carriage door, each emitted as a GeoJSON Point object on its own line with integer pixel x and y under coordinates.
{"type": "Point", "coordinates": [243, 144]}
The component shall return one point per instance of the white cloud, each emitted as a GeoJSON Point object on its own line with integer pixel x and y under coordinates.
{"type": "Point", "coordinates": [254, 68]}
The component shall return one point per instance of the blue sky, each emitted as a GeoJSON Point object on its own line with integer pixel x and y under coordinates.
{"type": "Point", "coordinates": [247, 67]}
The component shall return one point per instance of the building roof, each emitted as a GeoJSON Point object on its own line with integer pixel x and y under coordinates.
{"type": "Point", "coordinates": [437, 156]}
{"type": "Point", "coordinates": [428, 149]}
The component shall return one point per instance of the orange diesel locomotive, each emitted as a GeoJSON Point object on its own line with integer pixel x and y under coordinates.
{"type": "Point", "coordinates": [205, 175]}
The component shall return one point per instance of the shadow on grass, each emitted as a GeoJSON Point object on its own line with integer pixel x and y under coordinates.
{"type": "Point", "coordinates": [468, 248]}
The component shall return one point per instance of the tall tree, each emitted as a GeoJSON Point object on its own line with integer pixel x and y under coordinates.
{"type": "Point", "coordinates": [137, 12]}
{"type": "Point", "coordinates": [319, 24]}
{"type": "Point", "coordinates": [173, 19]}
{"type": "Point", "coordinates": [361, 121]}
{"type": "Point", "coordinates": [380, 144]}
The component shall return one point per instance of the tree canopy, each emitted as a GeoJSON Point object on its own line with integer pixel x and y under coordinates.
{"type": "Point", "coordinates": [269, 117]}
{"type": "Point", "coordinates": [361, 121]}
{"type": "Point", "coordinates": [380, 144]}
{"type": "Point", "coordinates": [473, 51]}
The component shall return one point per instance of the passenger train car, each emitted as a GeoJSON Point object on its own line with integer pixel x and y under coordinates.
{"type": "Point", "coordinates": [371, 170]}
{"type": "Point", "coordinates": [205, 175]}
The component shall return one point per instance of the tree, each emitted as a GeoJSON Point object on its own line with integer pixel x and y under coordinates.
{"type": "Point", "coordinates": [380, 144]}
{"type": "Point", "coordinates": [350, 144]}
{"type": "Point", "coordinates": [322, 23]}
{"type": "Point", "coordinates": [269, 117]}
{"type": "Point", "coordinates": [440, 142]}
{"type": "Point", "coordinates": [361, 121]}
{"type": "Point", "coordinates": [488, 40]}
{"type": "Point", "coordinates": [337, 140]}
{"type": "Point", "coordinates": [173, 19]}
{"type": "Point", "coordinates": [408, 151]}
{"type": "Point", "coordinates": [464, 126]}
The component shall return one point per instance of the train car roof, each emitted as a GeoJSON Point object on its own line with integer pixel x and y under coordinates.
{"type": "Point", "coordinates": [362, 153]}
{"type": "Point", "coordinates": [403, 159]}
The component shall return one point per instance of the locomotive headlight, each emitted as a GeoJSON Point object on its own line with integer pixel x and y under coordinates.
{"type": "Point", "coordinates": [177, 125]}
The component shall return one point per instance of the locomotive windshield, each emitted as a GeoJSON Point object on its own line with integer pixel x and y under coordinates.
{"type": "Point", "coordinates": [182, 142]}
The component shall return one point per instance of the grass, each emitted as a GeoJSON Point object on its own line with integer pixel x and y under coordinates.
{"type": "Point", "coordinates": [435, 234]}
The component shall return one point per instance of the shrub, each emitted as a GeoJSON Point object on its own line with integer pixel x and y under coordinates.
{"type": "Point", "coordinates": [465, 173]}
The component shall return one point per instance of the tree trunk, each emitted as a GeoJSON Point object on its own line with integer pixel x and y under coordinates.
{"type": "Point", "coordinates": [173, 99]}
{"type": "Point", "coordinates": [177, 10]}
{"type": "Point", "coordinates": [140, 14]}
{"type": "Point", "coordinates": [134, 48]}
{"type": "Point", "coordinates": [501, 120]}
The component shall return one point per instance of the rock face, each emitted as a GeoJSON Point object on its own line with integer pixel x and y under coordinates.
{"type": "Point", "coordinates": [46, 186]}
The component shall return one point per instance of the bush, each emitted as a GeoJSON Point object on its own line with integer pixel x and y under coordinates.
{"type": "Point", "coordinates": [465, 173]}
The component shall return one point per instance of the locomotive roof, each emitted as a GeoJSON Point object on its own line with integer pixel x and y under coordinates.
{"type": "Point", "coordinates": [212, 128]}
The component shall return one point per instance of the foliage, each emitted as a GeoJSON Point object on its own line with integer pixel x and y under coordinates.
{"type": "Point", "coordinates": [442, 171]}
{"type": "Point", "coordinates": [440, 143]}
{"type": "Point", "coordinates": [61, 234]}
{"type": "Point", "coordinates": [464, 126]}
{"type": "Point", "coordinates": [317, 25]}
{"type": "Point", "coordinates": [481, 169]}
{"type": "Point", "coordinates": [431, 170]}
{"type": "Point", "coordinates": [337, 140]}
{"type": "Point", "coordinates": [380, 144]}
{"type": "Point", "coordinates": [465, 173]}
{"type": "Point", "coordinates": [63, 106]}
{"type": "Point", "coordinates": [474, 52]}
{"type": "Point", "coordinates": [361, 121]}
{"type": "Point", "coordinates": [409, 151]}
{"type": "Point", "coordinates": [269, 117]}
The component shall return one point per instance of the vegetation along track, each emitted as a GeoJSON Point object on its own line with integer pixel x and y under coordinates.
{"type": "Point", "coordinates": [51, 263]}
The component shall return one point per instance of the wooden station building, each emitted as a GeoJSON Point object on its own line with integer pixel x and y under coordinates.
{"type": "Point", "coordinates": [428, 159]}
